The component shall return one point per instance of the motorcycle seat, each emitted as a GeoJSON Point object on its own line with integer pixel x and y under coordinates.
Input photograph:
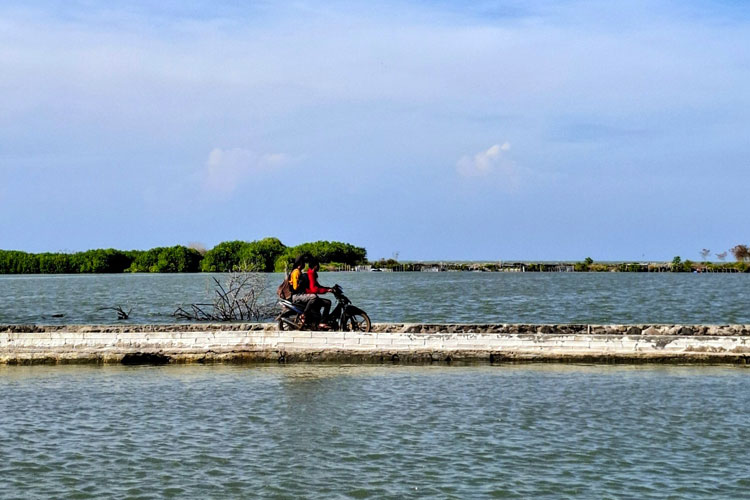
{"type": "Point", "coordinates": [287, 304]}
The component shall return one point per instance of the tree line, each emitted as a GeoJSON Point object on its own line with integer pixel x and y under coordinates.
{"type": "Point", "coordinates": [266, 255]}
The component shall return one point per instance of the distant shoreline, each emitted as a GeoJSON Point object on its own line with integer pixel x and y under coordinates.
{"type": "Point", "coordinates": [271, 255]}
{"type": "Point", "coordinates": [469, 266]}
{"type": "Point", "coordinates": [562, 266]}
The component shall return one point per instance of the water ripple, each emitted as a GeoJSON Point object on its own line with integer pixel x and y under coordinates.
{"type": "Point", "coordinates": [374, 432]}
{"type": "Point", "coordinates": [407, 297]}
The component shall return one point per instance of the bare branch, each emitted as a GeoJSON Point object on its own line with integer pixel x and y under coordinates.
{"type": "Point", "coordinates": [238, 298]}
{"type": "Point", "coordinates": [741, 253]}
{"type": "Point", "coordinates": [121, 314]}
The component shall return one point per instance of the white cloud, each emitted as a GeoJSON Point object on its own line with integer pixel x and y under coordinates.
{"type": "Point", "coordinates": [226, 169]}
{"type": "Point", "coordinates": [487, 162]}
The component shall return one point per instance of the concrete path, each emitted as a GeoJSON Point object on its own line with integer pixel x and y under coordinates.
{"type": "Point", "coordinates": [404, 343]}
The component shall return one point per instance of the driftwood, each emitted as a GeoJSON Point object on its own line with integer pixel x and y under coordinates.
{"type": "Point", "coordinates": [240, 298]}
{"type": "Point", "coordinates": [121, 314]}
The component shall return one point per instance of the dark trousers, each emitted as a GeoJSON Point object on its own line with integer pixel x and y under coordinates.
{"type": "Point", "coordinates": [316, 304]}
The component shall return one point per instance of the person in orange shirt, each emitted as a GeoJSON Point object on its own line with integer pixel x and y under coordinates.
{"type": "Point", "coordinates": [298, 282]}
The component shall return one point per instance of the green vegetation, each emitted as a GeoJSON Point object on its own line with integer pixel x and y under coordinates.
{"type": "Point", "coordinates": [251, 256]}
{"type": "Point", "coordinates": [325, 252]}
{"type": "Point", "coordinates": [91, 261]}
{"type": "Point", "coordinates": [386, 264]}
{"type": "Point", "coordinates": [262, 255]}
{"type": "Point", "coordinates": [587, 265]}
{"type": "Point", "coordinates": [270, 254]}
{"type": "Point", "coordinates": [223, 257]}
{"type": "Point", "coordinates": [584, 266]}
{"type": "Point", "coordinates": [176, 259]}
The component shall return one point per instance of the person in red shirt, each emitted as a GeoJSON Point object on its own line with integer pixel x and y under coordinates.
{"type": "Point", "coordinates": [315, 288]}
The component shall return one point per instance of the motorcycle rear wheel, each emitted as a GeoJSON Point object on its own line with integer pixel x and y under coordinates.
{"type": "Point", "coordinates": [358, 322]}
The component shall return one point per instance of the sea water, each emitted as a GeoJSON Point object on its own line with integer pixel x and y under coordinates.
{"type": "Point", "coordinates": [460, 297]}
{"type": "Point", "coordinates": [339, 431]}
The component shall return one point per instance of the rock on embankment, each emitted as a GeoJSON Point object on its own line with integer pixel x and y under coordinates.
{"type": "Point", "coordinates": [388, 342]}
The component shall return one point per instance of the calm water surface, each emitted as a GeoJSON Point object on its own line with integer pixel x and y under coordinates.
{"type": "Point", "coordinates": [406, 297]}
{"type": "Point", "coordinates": [335, 431]}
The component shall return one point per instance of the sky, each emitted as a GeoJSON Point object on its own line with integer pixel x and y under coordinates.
{"type": "Point", "coordinates": [427, 130]}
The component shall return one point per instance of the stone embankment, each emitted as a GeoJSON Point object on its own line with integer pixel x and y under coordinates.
{"type": "Point", "coordinates": [387, 343]}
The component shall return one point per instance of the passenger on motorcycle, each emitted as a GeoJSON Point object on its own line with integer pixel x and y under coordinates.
{"type": "Point", "coordinates": [313, 287]}
{"type": "Point", "coordinates": [298, 282]}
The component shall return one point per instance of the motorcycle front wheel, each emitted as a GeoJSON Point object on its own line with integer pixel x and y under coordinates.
{"type": "Point", "coordinates": [357, 322]}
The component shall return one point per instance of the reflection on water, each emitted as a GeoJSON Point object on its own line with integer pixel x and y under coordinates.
{"type": "Point", "coordinates": [406, 297]}
{"type": "Point", "coordinates": [379, 431]}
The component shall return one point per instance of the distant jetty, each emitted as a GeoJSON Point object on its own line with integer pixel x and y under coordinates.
{"type": "Point", "coordinates": [388, 343]}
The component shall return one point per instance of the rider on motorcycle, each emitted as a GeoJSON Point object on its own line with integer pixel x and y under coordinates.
{"type": "Point", "coordinates": [315, 288]}
{"type": "Point", "coordinates": [304, 287]}
{"type": "Point", "coordinates": [298, 282]}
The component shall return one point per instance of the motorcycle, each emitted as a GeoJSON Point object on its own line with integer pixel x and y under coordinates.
{"type": "Point", "coordinates": [345, 317]}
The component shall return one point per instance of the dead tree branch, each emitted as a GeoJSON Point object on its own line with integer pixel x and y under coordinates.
{"type": "Point", "coordinates": [239, 298]}
{"type": "Point", "coordinates": [121, 314]}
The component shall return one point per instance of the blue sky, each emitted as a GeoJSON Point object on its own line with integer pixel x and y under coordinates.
{"type": "Point", "coordinates": [494, 131]}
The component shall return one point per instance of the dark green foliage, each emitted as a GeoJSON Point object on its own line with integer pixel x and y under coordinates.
{"type": "Point", "coordinates": [583, 266]}
{"type": "Point", "coordinates": [680, 266]}
{"type": "Point", "coordinates": [91, 261]}
{"type": "Point", "coordinates": [55, 263]}
{"type": "Point", "coordinates": [631, 267]}
{"type": "Point", "coordinates": [224, 257]}
{"type": "Point", "coordinates": [15, 262]}
{"type": "Point", "coordinates": [324, 251]}
{"type": "Point", "coordinates": [100, 261]}
{"type": "Point", "coordinates": [176, 259]}
{"type": "Point", "coordinates": [261, 255]}
{"type": "Point", "coordinates": [247, 256]}
{"type": "Point", "coordinates": [385, 264]}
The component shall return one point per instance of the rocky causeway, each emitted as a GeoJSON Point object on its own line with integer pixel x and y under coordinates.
{"type": "Point", "coordinates": [387, 343]}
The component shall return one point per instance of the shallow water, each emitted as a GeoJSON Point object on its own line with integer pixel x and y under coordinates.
{"type": "Point", "coordinates": [405, 297]}
{"type": "Point", "coordinates": [340, 431]}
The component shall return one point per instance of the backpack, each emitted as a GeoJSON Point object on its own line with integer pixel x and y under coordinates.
{"type": "Point", "coordinates": [284, 291]}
